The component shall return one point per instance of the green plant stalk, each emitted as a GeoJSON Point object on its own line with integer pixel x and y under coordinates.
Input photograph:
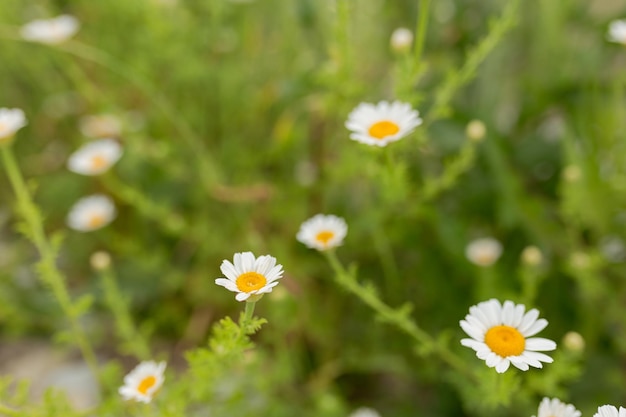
{"type": "Point", "coordinates": [47, 268]}
{"type": "Point", "coordinates": [247, 317]}
{"type": "Point", "coordinates": [397, 317]}
{"type": "Point", "coordinates": [6, 411]}
{"type": "Point", "coordinates": [125, 327]}
{"type": "Point", "coordinates": [453, 170]}
{"type": "Point", "coordinates": [420, 31]}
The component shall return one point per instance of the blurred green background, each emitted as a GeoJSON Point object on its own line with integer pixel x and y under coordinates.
{"type": "Point", "coordinates": [233, 135]}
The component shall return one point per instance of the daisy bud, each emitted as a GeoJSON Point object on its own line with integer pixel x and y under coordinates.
{"type": "Point", "coordinates": [532, 256]}
{"type": "Point", "coordinates": [572, 173]}
{"type": "Point", "coordinates": [476, 130]}
{"type": "Point", "coordinates": [574, 341]}
{"type": "Point", "coordinates": [100, 260]}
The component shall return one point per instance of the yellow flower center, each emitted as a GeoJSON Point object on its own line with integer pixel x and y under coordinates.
{"type": "Point", "coordinates": [145, 384]}
{"type": "Point", "coordinates": [505, 341]}
{"type": "Point", "coordinates": [250, 281]}
{"type": "Point", "coordinates": [382, 129]}
{"type": "Point", "coordinates": [96, 220]}
{"type": "Point", "coordinates": [98, 162]}
{"type": "Point", "coordinates": [324, 236]}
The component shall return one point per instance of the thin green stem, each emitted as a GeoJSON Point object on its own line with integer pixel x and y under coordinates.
{"type": "Point", "coordinates": [48, 271]}
{"type": "Point", "coordinates": [397, 317]}
{"type": "Point", "coordinates": [420, 30]}
{"type": "Point", "coordinates": [246, 318]}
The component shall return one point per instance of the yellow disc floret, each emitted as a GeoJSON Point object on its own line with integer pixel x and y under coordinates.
{"type": "Point", "coordinates": [145, 384]}
{"type": "Point", "coordinates": [382, 129]}
{"type": "Point", "coordinates": [324, 237]}
{"type": "Point", "coordinates": [505, 341]}
{"type": "Point", "coordinates": [250, 281]}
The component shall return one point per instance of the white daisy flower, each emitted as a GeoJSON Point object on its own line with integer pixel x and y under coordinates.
{"type": "Point", "coordinates": [100, 126]}
{"type": "Point", "coordinates": [483, 252]}
{"type": "Point", "coordinates": [50, 31]}
{"type": "Point", "coordinates": [323, 232]}
{"type": "Point", "coordinates": [382, 123]}
{"type": "Point", "coordinates": [250, 277]}
{"type": "Point", "coordinates": [91, 213]}
{"type": "Point", "coordinates": [143, 382]}
{"type": "Point", "coordinates": [617, 31]}
{"type": "Point", "coordinates": [364, 412]}
{"type": "Point", "coordinates": [95, 157]}
{"type": "Point", "coordinates": [555, 408]}
{"type": "Point", "coordinates": [610, 411]}
{"type": "Point", "coordinates": [401, 40]}
{"type": "Point", "coordinates": [500, 335]}
{"type": "Point", "coordinates": [11, 120]}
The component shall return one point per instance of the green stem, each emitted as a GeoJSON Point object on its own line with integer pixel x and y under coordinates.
{"type": "Point", "coordinates": [6, 411]}
{"type": "Point", "coordinates": [247, 317]}
{"type": "Point", "coordinates": [126, 329]}
{"type": "Point", "coordinates": [48, 271]}
{"type": "Point", "coordinates": [420, 31]}
{"type": "Point", "coordinates": [396, 317]}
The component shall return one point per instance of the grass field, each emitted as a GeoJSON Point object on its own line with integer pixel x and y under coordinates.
{"type": "Point", "coordinates": [232, 122]}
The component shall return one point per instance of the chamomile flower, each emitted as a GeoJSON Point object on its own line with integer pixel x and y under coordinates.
{"type": "Point", "coordinates": [11, 120]}
{"type": "Point", "coordinates": [610, 411]}
{"type": "Point", "coordinates": [50, 31]}
{"type": "Point", "coordinates": [323, 232]}
{"type": "Point", "coordinates": [250, 277]}
{"type": "Point", "coordinates": [95, 157]}
{"type": "Point", "coordinates": [143, 382]}
{"type": "Point", "coordinates": [483, 252]}
{"type": "Point", "coordinates": [382, 123]}
{"type": "Point", "coordinates": [555, 408]}
{"type": "Point", "coordinates": [401, 40]}
{"type": "Point", "coordinates": [617, 31]}
{"type": "Point", "coordinates": [364, 412]}
{"type": "Point", "coordinates": [501, 335]}
{"type": "Point", "coordinates": [91, 213]}
{"type": "Point", "coordinates": [100, 126]}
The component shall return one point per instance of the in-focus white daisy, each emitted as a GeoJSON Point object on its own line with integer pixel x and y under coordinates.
{"type": "Point", "coordinates": [610, 411]}
{"type": "Point", "coordinates": [617, 31]}
{"type": "Point", "coordinates": [143, 382]}
{"type": "Point", "coordinates": [11, 120]}
{"type": "Point", "coordinates": [500, 335]}
{"type": "Point", "coordinates": [484, 251]}
{"type": "Point", "coordinates": [555, 408]}
{"type": "Point", "coordinates": [91, 213]}
{"type": "Point", "coordinates": [401, 40]}
{"type": "Point", "coordinates": [100, 126]}
{"type": "Point", "coordinates": [379, 124]}
{"type": "Point", "coordinates": [250, 277]}
{"type": "Point", "coordinates": [364, 412]}
{"type": "Point", "coordinates": [50, 31]}
{"type": "Point", "coordinates": [95, 157]}
{"type": "Point", "coordinates": [323, 232]}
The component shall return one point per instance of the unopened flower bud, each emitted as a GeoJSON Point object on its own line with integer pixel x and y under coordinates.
{"type": "Point", "coordinates": [532, 256]}
{"type": "Point", "coordinates": [574, 341]}
{"type": "Point", "coordinates": [476, 130]}
{"type": "Point", "coordinates": [572, 173]}
{"type": "Point", "coordinates": [401, 40]}
{"type": "Point", "coordinates": [100, 260]}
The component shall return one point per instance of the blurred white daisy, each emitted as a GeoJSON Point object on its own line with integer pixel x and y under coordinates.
{"type": "Point", "coordinates": [95, 157]}
{"type": "Point", "coordinates": [610, 411]}
{"type": "Point", "coordinates": [401, 40]}
{"type": "Point", "coordinates": [555, 408]}
{"type": "Point", "coordinates": [364, 412]}
{"type": "Point", "coordinates": [250, 277]}
{"type": "Point", "coordinates": [50, 31]}
{"type": "Point", "coordinates": [483, 252]}
{"type": "Point", "coordinates": [100, 126]}
{"type": "Point", "coordinates": [11, 120]}
{"type": "Point", "coordinates": [91, 213]}
{"type": "Point", "coordinates": [142, 383]}
{"type": "Point", "coordinates": [323, 232]}
{"type": "Point", "coordinates": [617, 31]}
{"type": "Point", "coordinates": [379, 124]}
{"type": "Point", "coordinates": [500, 335]}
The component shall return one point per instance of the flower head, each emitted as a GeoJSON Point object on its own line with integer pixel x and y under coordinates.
{"type": "Point", "coordinates": [250, 277]}
{"type": "Point", "coordinates": [11, 120]}
{"type": "Point", "coordinates": [617, 32]}
{"type": "Point", "coordinates": [323, 232]}
{"type": "Point", "coordinates": [610, 411]}
{"type": "Point", "coordinates": [91, 213]}
{"type": "Point", "coordinates": [483, 252]}
{"type": "Point", "coordinates": [500, 335]}
{"type": "Point", "coordinates": [50, 31]}
{"type": "Point", "coordinates": [555, 408]}
{"type": "Point", "coordinates": [143, 382]}
{"type": "Point", "coordinates": [379, 124]}
{"type": "Point", "coordinates": [95, 157]}
{"type": "Point", "coordinates": [401, 40]}
{"type": "Point", "coordinates": [100, 126]}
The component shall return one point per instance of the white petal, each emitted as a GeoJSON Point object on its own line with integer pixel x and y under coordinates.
{"type": "Point", "coordinates": [540, 344]}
